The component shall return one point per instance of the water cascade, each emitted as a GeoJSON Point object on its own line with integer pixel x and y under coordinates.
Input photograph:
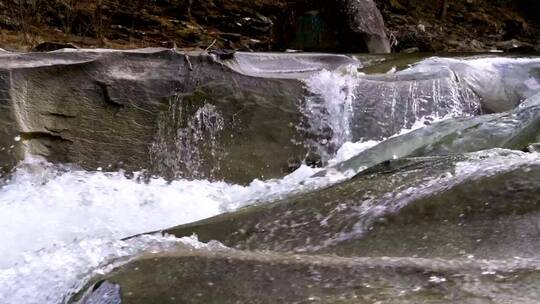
{"type": "Point", "coordinates": [430, 167]}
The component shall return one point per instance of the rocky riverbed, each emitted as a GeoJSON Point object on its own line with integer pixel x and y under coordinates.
{"type": "Point", "coordinates": [165, 176]}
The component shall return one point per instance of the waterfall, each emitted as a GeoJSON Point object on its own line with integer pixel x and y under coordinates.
{"type": "Point", "coordinates": [348, 106]}
{"type": "Point", "coordinates": [186, 142]}
{"type": "Point", "coordinates": [329, 110]}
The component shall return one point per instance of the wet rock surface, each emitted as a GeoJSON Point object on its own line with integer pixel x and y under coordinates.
{"type": "Point", "coordinates": [125, 108]}
{"type": "Point", "coordinates": [516, 129]}
{"type": "Point", "coordinates": [432, 229]}
{"type": "Point", "coordinates": [386, 187]}
{"type": "Point", "coordinates": [231, 277]}
{"type": "Point", "coordinates": [250, 116]}
{"type": "Point", "coordinates": [363, 217]}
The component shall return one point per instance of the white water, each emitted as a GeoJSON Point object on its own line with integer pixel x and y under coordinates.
{"type": "Point", "coordinates": [52, 274]}
{"type": "Point", "coordinates": [59, 225]}
{"type": "Point", "coordinates": [62, 225]}
{"type": "Point", "coordinates": [42, 205]}
{"type": "Point", "coordinates": [331, 105]}
{"type": "Point", "coordinates": [179, 150]}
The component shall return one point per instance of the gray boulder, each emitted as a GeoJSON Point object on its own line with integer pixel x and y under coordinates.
{"type": "Point", "coordinates": [516, 129]}
{"type": "Point", "coordinates": [432, 207]}
{"type": "Point", "coordinates": [167, 112]}
{"type": "Point", "coordinates": [364, 18]}
{"type": "Point", "coordinates": [195, 115]}
{"type": "Point", "coordinates": [230, 276]}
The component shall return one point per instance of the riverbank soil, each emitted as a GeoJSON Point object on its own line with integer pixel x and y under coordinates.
{"type": "Point", "coordinates": [268, 25]}
{"type": "Point", "coordinates": [465, 25]}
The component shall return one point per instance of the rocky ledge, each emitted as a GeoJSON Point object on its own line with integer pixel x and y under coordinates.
{"type": "Point", "coordinates": [231, 116]}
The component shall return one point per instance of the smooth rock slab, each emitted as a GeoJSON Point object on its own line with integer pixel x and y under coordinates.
{"type": "Point", "coordinates": [194, 115]}
{"type": "Point", "coordinates": [111, 109]}
{"type": "Point", "coordinates": [450, 207]}
{"type": "Point", "coordinates": [439, 87]}
{"type": "Point", "coordinates": [229, 276]}
{"type": "Point", "coordinates": [515, 129]}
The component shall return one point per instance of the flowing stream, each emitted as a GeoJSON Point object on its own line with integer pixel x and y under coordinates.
{"type": "Point", "coordinates": [61, 224]}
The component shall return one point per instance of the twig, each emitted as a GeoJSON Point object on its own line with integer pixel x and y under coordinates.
{"type": "Point", "coordinates": [211, 45]}
{"type": "Point", "coordinates": [190, 66]}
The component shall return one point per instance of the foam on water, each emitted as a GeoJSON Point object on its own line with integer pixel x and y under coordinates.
{"type": "Point", "coordinates": [61, 224]}
{"type": "Point", "coordinates": [53, 274]}
{"type": "Point", "coordinates": [45, 204]}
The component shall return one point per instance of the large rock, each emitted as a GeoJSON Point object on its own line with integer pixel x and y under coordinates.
{"type": "Point", "coordinates": [156, 109]}
{"type": "Point", "coordinates": [516, 129]}
{"type": "Point", "coordinates": [440, 87]}
{"type": "Point", "coordinates": [233, 117]}
{"type": "Point", "coordinates": [483, 204]}
{"type": "Point", "coordinates": [229, 276]}
{"type": "Point", "coordinates": [364, 18]}
{"type": "Point", "coordinates": [379, 105]}
{"type": "Point", "coordinates": [8, 128]}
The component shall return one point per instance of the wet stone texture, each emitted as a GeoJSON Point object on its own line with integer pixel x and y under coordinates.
{"type": "Point", "coordinates": [117, 109]}
{"type": "Point", "coordinates": [230, 276]}
{"type": "Point", "coordinates": [200, 115]}
{"type": "Point", "coordinates": [428, 207]}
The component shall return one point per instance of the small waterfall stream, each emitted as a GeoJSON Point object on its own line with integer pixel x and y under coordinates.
{"type": "Point", "coordinates": [183, 145]}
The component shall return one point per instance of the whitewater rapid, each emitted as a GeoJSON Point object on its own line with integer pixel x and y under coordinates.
{"type": "Point", "coordinates": [60, 224]}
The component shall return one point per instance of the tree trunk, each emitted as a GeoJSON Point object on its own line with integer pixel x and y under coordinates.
{"type": "Point", "coordinates": [444, 8]}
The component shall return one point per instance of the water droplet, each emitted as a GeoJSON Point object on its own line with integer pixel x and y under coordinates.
{"type": "Point", "coordinates": [436, 279]}
{"type": "Point", "coordinates": [17, 138]}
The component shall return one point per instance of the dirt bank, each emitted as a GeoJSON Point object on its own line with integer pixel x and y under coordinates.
{"type": "Point", "coordinates": [264, 25]}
